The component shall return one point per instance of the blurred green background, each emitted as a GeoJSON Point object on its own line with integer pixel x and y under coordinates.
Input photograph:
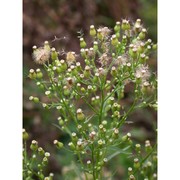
{"type": "Point", "coordinates": [45, 19]}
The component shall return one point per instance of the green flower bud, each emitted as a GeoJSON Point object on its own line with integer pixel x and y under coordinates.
{"type": "Point", "coordinates": [114, 40]}
{"type": "Point", "coordinates": [136, 163]}
{"type": "Point", "coordinates": [78, 65]}
{"type": "Point", "coordinates": [116, 133]}
{"type": "Point", "coordinates": [117, 27]}
{"type": "Point", "coordinates": [116, 107]}
{"type": "Point", "coordinates": [114, 71]}
{"type": "Point", "coordinates": [131, 177]}
{"type": "Point", "coordinates": [125, 25]}
{"type": "Point", "coordinates": [116, 114]}
{"type": "Point", "coordinates": [79, 146]}
{"type": "Point", "coordinates": [82, 43]}
{"type": "Point", "coordinates": [154, 47]}
{"type": "Point", "coordinates": [45, 161]}
{"type": "Point", "coordinates": [66, 91]}
{"type": "Point", "coordinates": [83, 90]}
{"type": "Point", "coordinates": [61, 122]}
{"type": "Point", "coordinates": [39, 74]}
{"type": "Point", "coordinates": [87, 71]}
{"type": "Point", "coordinates": [137, 25]}
{"type": "Point", "coordinates": [32, 74]}
{"type": "Point", "coordinates": [48, 93]}
{"type": "Point", "coordinates": [99, 34]}
{"type": "Point", "coordinates": [74, 137]}
{"type": "Point", "coordinates": [41, 151]}
{"type": "Point", "coordinates": [63, 65]}
{"type": "Point", "coordinates": [46, 45]}
{"type": "Point", "coordinates": [40, 85]}
{"type": "Point", "coordinates": [130, 171]}
{"type": "Point", "coordinates": [126, 137]}
{"type": "Point", "coordinates": [83, 53]}
{"type": "Point", "coordinates": [54, 54]}
{"type": "Point", "coordinates": [36, 100]}
{"type": "Point", "coordinates": [148, 146]}
{"type": "Point", "coordinates": [142, 58]}
{"type": "Point", "coordinates": [34, 145]}
{"type": "Point", "coordinates": [101, 143]}
{"type": "Point", "coordinates": [138, 148]}
{"type": "Point", "coordinates": [142, 34]}
{"type": "Point", "coordinates": [92, 31]}
{"type": "Point", "coordinates": [95, 47]}
{"type": "Point", "coordinates": [96, 77]}
{"type": "Point", "coordinates": [25, 135]}
{"type": "Point", "coordinates": [80, 115]}
{"type": "Point", "coordinates": [58, 144]}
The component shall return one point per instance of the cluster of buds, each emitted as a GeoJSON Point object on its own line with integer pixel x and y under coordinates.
{"type": "Point", "coordinates": [145, 162]}
{"type": "Point", "coordinates": [37, 158]}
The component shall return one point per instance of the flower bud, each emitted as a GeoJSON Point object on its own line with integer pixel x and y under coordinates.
{"type": "Point", "coordinates": [116, 114]}
{"type": "Point", "coordinates": [116, 107]}
{"type": "Point", "coordinates": [39, 74]}
{"type": "Point", "coordinates": [63, 65]}
{"type": "Point", "coordinates": [32, 74]}
{"type": "Point", "coordinates": [142, 34]}
{"type": "Point", "coordinates": [136, 163]}
{"type": "Point", "coordinates": [41, 151]}
{"type": "Point", "coordinates": [79, 145]}
{"type": "Point", "coordinates": [58, 144]}
{"type": "Point", "coordinates": [116, 133]}
{"type": "Point", "coordinates": [99, 34]}
{"type": "Point", "coordinates": [137, 25]}
{"type": "Point", "coordinates": [66, 91]}
{"type": "Point", "coordinates": [148, 146]}
{"type": "Point", "coordinates": [92, 135]}
{"type": "Point", "coordinates": [35, 99]}
{"type": "Point", "coordinates": [87, 72]}
{"type": "Point", "coordinates": [82, 43]}
{"type": "Point", "coordinates": [117, 27]}
{"type": "Point", "coordinates": [45, 161]}
{"type": "Point", "coordinates": [88, 163]}
{"type": "Point", "coordinates": [138, 148]}
{"type": "Point", "coordinates": [54, 54]}
{"type": "Point", "coordinates": [25, 135]}
{"type": "Point", "coordinates": [130, 171]}
{"type": "Point", "coordinates": [34, 145]}
{"type": "Point", "coordinates": [101, 143]}
{"type": "Point", "coordinates": [113, 71]}
{"type": "Point", "coordinates": [71, 145]}
{"type": "Point", "coordinates": [131, 177]}
{"type": "Point", "coordinates": [125, 25]}
{"type": "Point", "coordinates": [46, 45]}
{"type": "Point", "coordinates": [80, 115]}
{"type": "Point", "coordinates": [114, 40]}
{"type": "Point", "coordinates": [95, 47]}
{"type": "Point", "coordinates": [92, 31]}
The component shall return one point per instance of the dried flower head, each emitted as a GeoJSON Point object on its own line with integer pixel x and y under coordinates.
{"type": "Point", "coordinates": [142, 72]}
{"type": "Point", "coordinates": [105, 31]}
{"type": "Point", "coordinates": [41, 55]}
{"type": "Point", "coordinates": [70, 58]}
{"type": "Point", "coordinates": [122, 60]}
{"type": "Point", "coordinates": [104, 59]}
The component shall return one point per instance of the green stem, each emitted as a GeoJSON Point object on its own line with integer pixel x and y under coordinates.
{"type": "Point", "coordinates": [93, 161]}
{"type": "Point", "coordinates": [82, 164]}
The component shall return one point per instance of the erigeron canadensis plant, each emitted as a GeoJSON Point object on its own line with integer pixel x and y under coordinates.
{"type": "Point", "coordinates": [112, 61]}
{"type": "Point", "coordinates": [35, 162]}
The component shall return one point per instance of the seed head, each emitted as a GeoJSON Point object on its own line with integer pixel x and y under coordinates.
{"type": "Point", "coordinates": [41, 55]}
